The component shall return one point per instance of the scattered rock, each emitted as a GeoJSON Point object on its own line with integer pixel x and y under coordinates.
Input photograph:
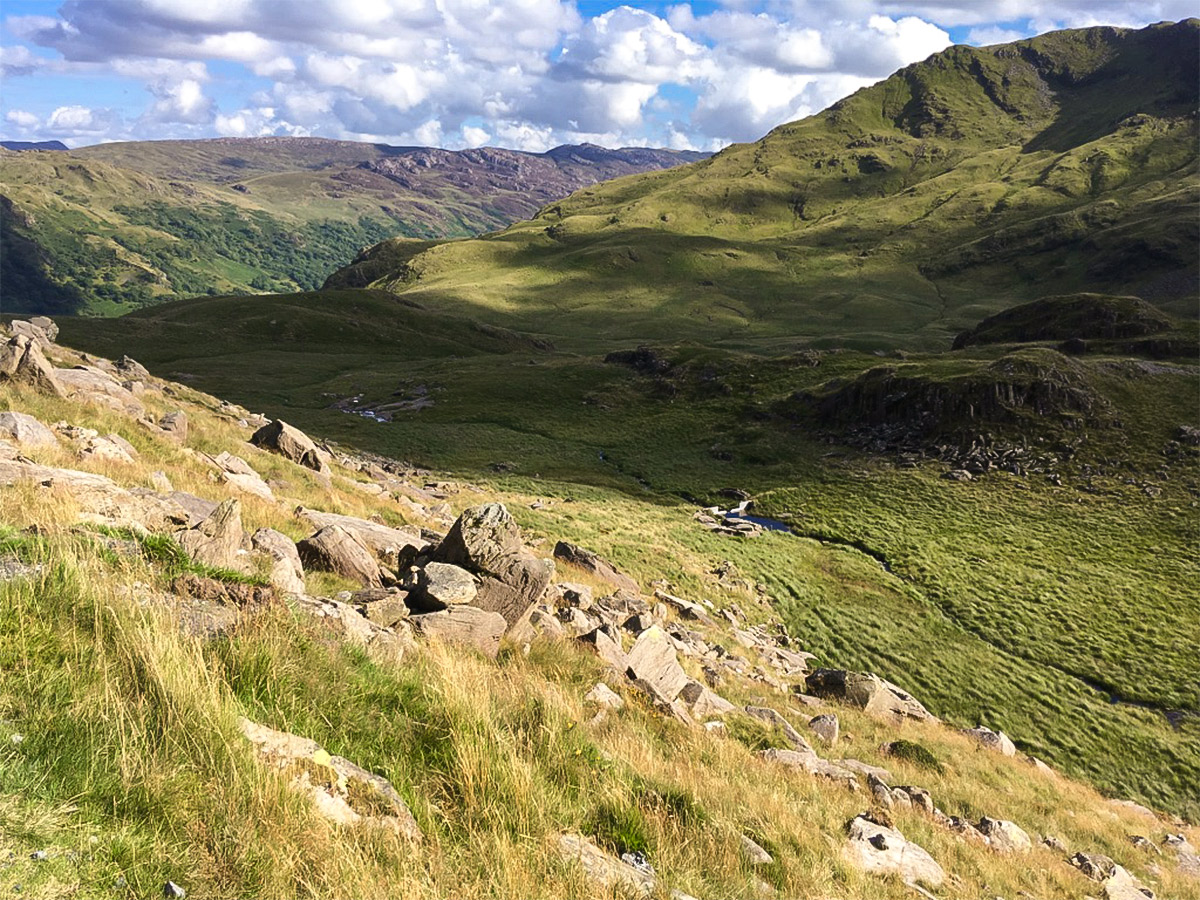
{"type": "Point", "coordinates": [287, 572]}
{"type": "Point", "coordinates": [880, 850]}
{"type": "Point", "coordinates": [487, 542]}
{"type": "Point", "coordinates": [347, 624]}
{"type": "Point", "coordinates": [703, 703]}
{"type": "Point", "coordinates": [341, 792]}
{"type": "Point", "coordinates": [26, 431]}
{"type": "Point", "coordinates": [775, 720]}
{"type": "Point", "coordinates": [94, 385]}
{"type": "Point", "coordinates": [606, 647]}
{"type": "Point", "coordinates": [291, 443]}
{"type": "Point", "coordinates": [385, 542]}
{"type": "Point", "coordinates": [1095, 866]}
{"type": "Point", "coordinates": [217, 540]}
{"type": "Point", "coordinates": [175, 425]}
{"type": "Point", "coordinates": [479, 628]}
{"type": "Point", "coordinates": [594, 565]}
{"type": "Point", "coordinates": [1122, 885]}
{"type": "Point", "coordinates": [812, 764]}
{"type": "Point", "coordinates": [238, 473]}
{"type": "Point", "coordinates": [131, 368]}
{"type": "Point", "coordinates": [874, 695]}
{"type": "Point", "coordinates": [993, 740]}
{"type": "Point", "coordinates": [825, 727]}
{"type": "Point", "coordinates": [332, 549]}
{"type": "Point", "coordinates": [172, 891]}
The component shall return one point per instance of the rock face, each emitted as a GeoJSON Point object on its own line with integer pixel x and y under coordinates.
{"type": "Point", "coordinates": [290, 443]}
{"type": "Point", "coordinates": [993, 740]}
{"type": "Point", "coordinates": [884, 851]}
{"type": "Point", "coordinates": [217, 540]}
{"type": "Point", "coordinates": [593, 565]}
{"type": "Point", "coordinates": [287, 572]}
{"type": "Point", "coordinates": [479, 628]}
{"type": "Point", "coordinates": [26, 430]}
{"type": "Point", "coordinates": [340, 791]}
{"type": "Point", "coordinates": [333, 549]}
{"type": "Point", "coordinates": [22, 361]}
{"type": "Point", "coordinates": [487, 542]}
{"type": "Point", "coordinates": [870, 693]}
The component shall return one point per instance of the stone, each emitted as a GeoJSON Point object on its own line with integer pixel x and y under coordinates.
{"type": "Point", "coordinates": [568, 594]}
{"type": "Point", "coordinates": [217, 540]}
{"type": "Point", "coordinates": [291, 443]}
{"type": "Point", "coordinates": [342, 792]}
{"type": "Point", "coordinates": [172, 891]}
{"type": "Point", "coordinates": [594, 565]}
{"type": "Point", "coordinates": [1187, 858]}
{"type": "Point", "coordinates": [439, 585]}
{"type": "Point", "coordinates": [385, 542]}
{"type": "Point", "coordinates": [754, 852]}
{"type": "Point", "coordinates": [109, 448]}
{"type": "Point", "coordinates": [608, 873]}
{"type": "Point", "coordinates": [604, 696]}
{"type": "Point", "coordinates": [486, 541]}
{"type": "Point", "coordinates": [575, 621]}
{"type": "Point", "coordinates": [703, 703]}
{"type": "Point", "coordinates": [287, 572]}
{"type": "Point", "coordinates": [967, 831]}
{"type": "Point", "coordinates": [919, 798]}
{"type": "Point", "coordinates": [652, 661]}
{"type": "Point", "coordinates": [47, 326]}
{"type": "Point", "coordinates": [22, 361]}
{"type": "Point", "coordinates": [332, 549]}
{"type": "Point", "coordinates": [97, 386]}
{"type": "Point", "coordinates": [877, 697]}
{"type": "Point", "coordinates": [1004, 836]}
{"type": "Point", "coordinates": [175, 425]}
{"type": "Point", "coordinates": [479, 628]}
{"type": "Point", "coordinates": [825, 727]}
{"type": "Point", "coordinates": [992, 740]}
{"type": "Point", "coordinates": [812, 764]}
{"type": "Point", "coordinates": [546, 625]}
{"type": "Point", "coordinates": [197, 508]}
{"type": "Point", "coordinates": [347, 624]}
{"type": "Point", "coordinates": [1095, 866]}
{"type": "Point", "coordinates": [879, 850]}
{"type": "Point", "coordinates": [638, 623]}
{"type": "Point", "coordinates": [1054, 843]}
{"type": "Point", "coordinates": [25, 430]}
{"type": "Point", "coordinates": [862, 768]}
{"type": "Point", "coordinates": [685, 608]}
{"type": "Point", "coordinates": [1122, 885]}
{"type": "Point", "coordinates": [606, 648]}
{"type": "Point", "coordinates": [131, 368]}
{"type": "Point", "coordinates": [775, 720]}
{"type": "Point", "coordinates": [237, 473]}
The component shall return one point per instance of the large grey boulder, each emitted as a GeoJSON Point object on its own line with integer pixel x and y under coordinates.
{"type": "Point", "coordinates": [25, 430]}
{"type": "Point", "coordinates": [96, 386]}
{"type": "Point", "coordinates": [594, 565]}
{"type": "Point", "coordinates": [287, 572]}
{"type": "Point", "coordinates": [385, 542]}
{"type": "Point", "coordinates": [291, 443]}
{"type": "Point", "coordinates": [333, 549]}
{"type": "Point", "coordinates": [487, 542]}
{"type": "Point", "coordinates": [879, 850]}
{"type": "Point", "coordinates": [479, 628]}
{"type": "Point", "coordinates": [217, 540]}
{"type": "Point", "coordinates": [439, 585]}
{"type": "Point", "coordinates": [22, 361]}
{"type": "Point", "coordinates": [653, 665]}
{"type": "Point", "coordinates": [870, 693]}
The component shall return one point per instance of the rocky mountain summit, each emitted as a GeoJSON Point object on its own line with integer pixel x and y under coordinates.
{"type": "Point", "coordinates": [380, 677]}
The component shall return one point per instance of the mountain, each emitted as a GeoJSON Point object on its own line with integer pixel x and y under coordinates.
{"type": "Point", "coordinates": [231, 671]}
{"type": "Point", "coordinates": [108, 228]}
{"type": "Point", "coordinates": [33, 145]}
{"type": "Point", "coordinates": [959, 186]}
{"type": "Point", "coordinates": [1006, 529]}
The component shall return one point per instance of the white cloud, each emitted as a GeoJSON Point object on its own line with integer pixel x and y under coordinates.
{"type": "Point", "coordinates": [474, 137]}
{"type": "Point", "coordinates": [22, 119]}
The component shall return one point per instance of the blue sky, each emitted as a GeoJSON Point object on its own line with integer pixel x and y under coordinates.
{"type": "Point", "coordinates": [527, 74]}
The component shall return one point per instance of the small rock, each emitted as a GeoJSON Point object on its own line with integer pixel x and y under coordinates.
{"type": "Point", "coordinates": [825, 727]}
{"type": "Point", "coordinates": [603, 695]}
{"type": "Point", "coordinates": [172, 890]}
{"type": "Point", "coordinates": [754, 852]}
{"type": "Point", "coordinates": [880, 850]}
{"type": "Point", "coordinates": [993, 740]}
{"type": "Point", "coordinates": [1004, 836]}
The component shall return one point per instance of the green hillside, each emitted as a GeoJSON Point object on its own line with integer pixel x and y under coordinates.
{"type": "Point", "coordinates": [110, 228]}
{"type": "Point", "coordinates": [900, 216]}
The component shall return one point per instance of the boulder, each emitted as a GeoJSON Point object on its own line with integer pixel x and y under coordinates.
{"type": "Point", "coordinates": [754, 852]}
{"type": "Point", "coordinates": [22, 361]}
{"type": "Point", "coordinates": [874, 695]}
{"type": "Point", "coordinates": [341, 791]}
{"type": "Point", "coordinates": [217, 540]}
{"type": "Point", "coordinates": [333, 549]}
{"type": "Point", "coordinates": [347, 624]}
{"type": "Point", "coordinates": [487, 542]}
{"type": "Point", "coordinates": [606, 647]}
{"type": "Point", "coordinates": [131, 368]}
{"type": "Point", "coordinates": [237, 473]}
{"type": "Point", "coordinates": [291, 443]}
{"type": "Point", "coordinates": [812, 764]}
{"type": "Point", "coordinates": [1095, 866]}
{"type": "Point", "coordinates": [652, 663]}
{"type": "Point", "coordinates": [287, 572]}
{"type": "Point", "coordinates": [47, 327]}
{"type": "Point", "coordinates": [439, 585]}
{"type": "Point", "coordinates": [609, 874]}
{"type": "Point", "coordinates": [1123, 885]}
{"type": "Point", "coordinates": [1004, 836]}
{"type": "Point", "coordinates": [593, 564]}
{"type": "Point", "coordinates": [879, 850]}
{"type": "Point", "coordinates": [111, 448]}
{"type": "Point", "coordinates": [479, 628]}
{"type": "Point", "coordinates": [993, 740]}
{"type": "Point", "coordinates": [96, 386]}
{"type": "Point", "coordinates": [604, 696]}
{"type": "Point", "coordinates": [175, 425]}
{"type": "Point", "coordinates": [825, 727]}
{"type": "Point", "coordinates": [385, 542]}
{"type": "Point", "coordinates": [25, 430]}
{"type": "Point", "coordinates": [703, 703]}
{"type": "Point", "coordinates": [775, 720]}
{"type": "Point", "coordinates": [39, 329]}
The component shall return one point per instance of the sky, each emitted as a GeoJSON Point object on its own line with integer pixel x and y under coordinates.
{"type": "Point", "coordinates": [523, 74]}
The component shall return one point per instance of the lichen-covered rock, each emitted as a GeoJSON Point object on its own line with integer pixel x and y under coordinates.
{"type": "Point", "coordinates": [25, 430]}
{"type": "Point", "coordinates": [287, 571]}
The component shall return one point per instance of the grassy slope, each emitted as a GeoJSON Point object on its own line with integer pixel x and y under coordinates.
{"type": "Point", "coordinates": [1062, 163]}
{"type": "Point", "coordinates": [131, 768]}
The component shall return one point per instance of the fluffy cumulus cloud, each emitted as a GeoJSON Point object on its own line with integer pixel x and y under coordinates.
{"type": "Point", "coordinates": [466, 73]}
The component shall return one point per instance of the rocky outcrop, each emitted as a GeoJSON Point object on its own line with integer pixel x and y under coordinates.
{"type": "Point", "coordinates": [22, 362]}
{"type": "Point", "coordinates": [487, 542]}
{"type": "Point", "coordinates": [385, 542]}
{"type": "Point", "coordinates": [291, 443]}
{"type": "Point", "coordinates": [594, 565]}
{"type": "Point", "coordinates": [340, 791]}
{"type": "Point", "coordinates": [333, 549]}
{"type": "Point", "coordinates": [880, 850]}
{"type": "Point", "coordinates": [874, 695]}
{"type": "Point", "coordinates": [25, 430]}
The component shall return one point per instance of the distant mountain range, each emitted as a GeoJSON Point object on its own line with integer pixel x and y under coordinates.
{"type": "Point", "coordinates": [109, 228]}
{"type": "Point", "coordinates": [33, 145]}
